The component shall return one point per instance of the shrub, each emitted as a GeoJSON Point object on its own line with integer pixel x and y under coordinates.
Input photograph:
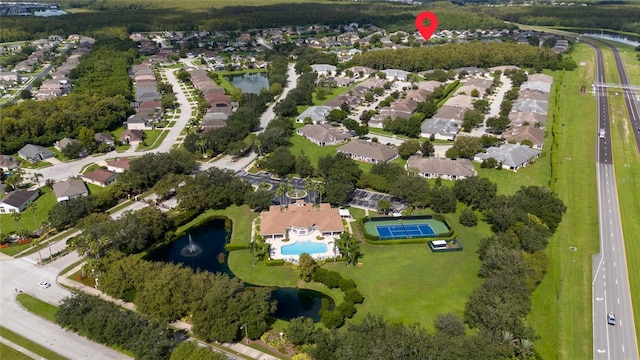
{"type": "Point", "coordinates": [353, 296]}
{"type": "Point", "coordinates": [332, 319]}
{"type": "Point", "coordinates": [346, 309]}
{"type": "Point", "coordinates": [468, 218]}
{"type": "Point", "coordinates": [347, 284]}
{"type": "Point", "coordinates": [330, 279]}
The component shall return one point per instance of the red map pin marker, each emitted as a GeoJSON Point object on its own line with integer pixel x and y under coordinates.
{"type": "Point", "coordinates": [426, 31]}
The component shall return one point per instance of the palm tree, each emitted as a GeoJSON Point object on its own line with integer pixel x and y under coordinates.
{"type": "Point", "coordinates": [282, 189]}
{"type": "Point", "coordinates": [37, 176]}
{"type": "Point", "coordinates": [16, 217]}
{"type": "Point", "coordinates": [33, 207]}
{"type": "Point", "coordinates": [321, 190]}
{"type": "Point", "coordinates": [258, 144]}
{"type": "Point", "coordinates": [308, 186]}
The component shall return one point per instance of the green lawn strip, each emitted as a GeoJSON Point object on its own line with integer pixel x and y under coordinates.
{"type": "Point", "coordinates": [44, 244]}
{"type": "Point", "coordinates": [150, 137]}
{"type": "Point", "coordinates": [335, 92]}
{"type": "Point", "coordinates": [159, 139]}
{"type": "Point", "coordinates": [267, 350]}
{"type": "Point", "coordinates": [9, 353]}
{"type": "Point", "coordinates": [38, 307]}
{"type": "Point", "coordinates": [241, 217]}
{"type": "Point", "coordinates": [561, 305]}
{"type": "Point", "coordinates": [29, 345]}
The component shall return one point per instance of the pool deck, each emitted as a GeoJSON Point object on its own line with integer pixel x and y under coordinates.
{"type": "Point", "coordinates": [277, 244]}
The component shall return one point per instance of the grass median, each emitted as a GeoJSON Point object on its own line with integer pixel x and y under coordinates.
{"type": "Point", "coordinates": [29, 345]}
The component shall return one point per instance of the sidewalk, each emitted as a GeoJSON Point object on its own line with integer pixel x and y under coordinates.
{"type": "Point", "coordinates": [232, 348]}
{"type": "Point", "coordinates": [20, 348]}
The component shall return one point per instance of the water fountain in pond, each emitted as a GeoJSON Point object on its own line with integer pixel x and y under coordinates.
{"type": "Point", "coordinates": [192, 249]}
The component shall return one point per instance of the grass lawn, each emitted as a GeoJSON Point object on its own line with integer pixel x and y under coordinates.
{"type": "Point", "coordinates": [561, 305]}
{"type": "Point", "coordinates": [29, 345]}
{"type": "Point", "coordinates": [150, 137]}
{"type": "Point", "coordinates": [43, 204]}
{"type": "Point", "coordinates": [315, 152]}
{"type": "Point", "coordinates": [10, 353]}
{"type": "Point", "coordinates": [38, 307]}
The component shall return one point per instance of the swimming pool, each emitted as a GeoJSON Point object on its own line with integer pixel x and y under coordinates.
{"type": "Point", "coordinates": [300, 247]}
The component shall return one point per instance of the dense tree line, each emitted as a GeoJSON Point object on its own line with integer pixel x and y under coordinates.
{"type": "Point", "coordinates": [453, 56]}
{"type": "Point", "coordinates": [216, 304]}
{"type": "Point", "coordinates": [109, 324]}
{"type": "Point", "coordinates": [123, 19]}
{"type": "Point", "coordinates": [301, 95]}
{"type": "Point", "coordinates": [99, 101]}
{"type": "Point", "coordinates": [144, 172]}
{"type": "Point", "coordinates": [623, 17]}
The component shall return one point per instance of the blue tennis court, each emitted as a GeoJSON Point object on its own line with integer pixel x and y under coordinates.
{"type": "Point", "coordinates": [404, 231]}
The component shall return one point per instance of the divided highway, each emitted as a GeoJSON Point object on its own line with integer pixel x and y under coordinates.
{"type": "Point", "coordinates": [610, 285]}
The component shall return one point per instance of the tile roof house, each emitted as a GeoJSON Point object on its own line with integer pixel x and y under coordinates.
{"type": "Point", "coordinates": [430, 85]}
{"type": "Point", "coordinates": [323, 69]}
{"type": "Point", "coordinates": [69, 189]}
{"type": "Point", "coordinates": [526, 105]}
{"type": "Point", "coordinates": [118, 165]}
{"type": "Point", "coordinates": [8, 163]}
{"type": "Point", "coordinates": [35, 153]}
{"type": "Point", "coordinates": [18, 200]}
{"type": "Point", "coordinates": [533, 95]}
{"type": "Point", "coordinates": [100, 177]}
{"type": "Point", "coordinates": [369, 152]}
{"type": "Point", "coordinates": [511, 156]}
{"type": "Point", "coordinates": [461, 101]}
{"type": "Point", "coordinates": [536, 85]}
{"type": "Point", "coordinates": [300, 218]}
{"type": "Point", "coordinates": [524, 118]}
{"type": "Point", "coordinates": [317, 114]}
{"type": "Point", "coordinates": [64, 142]}
{"type": "Point", "coordinates": [395, 74]}
{"type": "Point", "coordinates": [322, 134]}
{"type": "Point", "coordinates": [105, 138]}
{"type": "Point", "coordinates": [129, 136]}
{"type": "Point", "coordinates": [540, 77]}
{"type": "Point", "coordinates": [444, 168]}
{"type": "Point", "coordinates": [518, 134]}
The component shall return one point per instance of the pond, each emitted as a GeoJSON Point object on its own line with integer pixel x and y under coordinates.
{"type": "Point", "coordinates": [203, 249]}
{"type": "Point", "coordinates": [609, 35]}
{"type": "Point", "coordinates": [250, 82]}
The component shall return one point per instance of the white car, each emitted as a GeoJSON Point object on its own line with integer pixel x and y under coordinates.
{"type": "Point", "coordinates": [611, 319]}
{"type": "Point", "coordinates": [44, 284]}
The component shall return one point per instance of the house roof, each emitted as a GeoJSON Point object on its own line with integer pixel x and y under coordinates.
{"type": "Point", "coordinates": [7, 162]}
{"type": "Point", "coordinates": [540, 77]}
{"type": "Point", "coordinates": [511, 155]}
{"type": "Point", "coordinates": [322, 133]}
{"type": "Point", "coordinates": [103, 137]}
{"type": "Point", "coordinates": [120, 163]}
{"type": "Point", "coordinates": [463, 101]}
{"type": "Point", "coordinates": [520, 133]}
{"type": "Point", "coordinates": [450, 113]}
{"type": "Point", "coordinates": [520, 117]}
{"type": "Point", "coordinates": [31, 151]}
{"type": "Point", "coordinates": [316, 113]}
{"type": "Point", "coordinates": [64, 142]}
{"type": "Point", "coordinates": [536, 106]}
{"type": "Point", "coordinates": [100, 175]}
{"type": "Point", "coordinates": [395, 73]}
{"type": "Point", "coordinates": [323, 68]}
{"type": "Point", "coordinates": [442, 166]}
{"type": "Point", "coordinates": [444, 127]}
{"type": "Point", "coordinates": [536, 85]}
{"type": "Point", "coordinates": [300, 215]}
{"type": "Point", "coordinates": [133, 135]}
{"type": "Point", "coordinates": [70, 187]}
{"type": "Point", "coordinates": [19, 198]}
{"type": "Point", "coordinates": [428, 85]}
{"type": "Point", "coordinates": [371, 150]}
{"type": "Point", "coordinates": [533, 95]}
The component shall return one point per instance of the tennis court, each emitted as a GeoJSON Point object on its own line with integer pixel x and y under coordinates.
{"type": "Point", "coordinates": [389, 228]}
{"type": "Point", "coordinates": [404, 231]}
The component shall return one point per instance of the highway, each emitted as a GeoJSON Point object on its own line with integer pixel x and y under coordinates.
{"type": "Point", "coordinates": [610, 285]}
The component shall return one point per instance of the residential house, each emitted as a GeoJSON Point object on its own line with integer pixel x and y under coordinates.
{"type": "Point", "coordinates": [533, 95]}
{"type": "Point", "coordinates": [526, 105]}
{"type": "Point", "coordinates": [444, 168]}
{"type": "Point", "coordinates": [300, 218]}
{"type": "Point", "coordinates": [322, 134]}
{"type": "Point", "coordinates": [525, 118]}
{"type": "Point", "coordinates": [64, 142]}
{"type": "Point", "coordinates": [430, 85]}
{"type": "Point", "coordinates": [536, 85]}
{"type": "Point", "coordinates": [395, 74]}
{"type": "Point", "coordinates": [8, 163]}
{"type": "Point", "coordinates": [118, 165]}
{"type": "Point", "coordinates": [460, 101]}
{"type": "Point", "coordinates": [104, 138]}
{"type": "Point", "coordinates": [213, 120]}
{"type": "Point", "coordinates": [34, 153]}
{"type": "Point", "coordinates": [317, 114]}
{"type": "Point", "coordinates": [8, 76]}
{"type": "Point", "coordinates": [324, 69]}
{"type": "Point", "coordinates": [511, 156]}
{"type": "Point", "coordinates": [69, 189]}
{"type": "Point", "coordinates": [128, 136]}
{"type": "Point", "coordinates": [517, 135]}
{"type": "Point", "coordinates": [100, 177]}
{"type": "Point", "coordinates": [369, 152]}
{"type": "Point", "coordinates": [18, 200]}
{"type": "Point", "coordinates": [441, 129]}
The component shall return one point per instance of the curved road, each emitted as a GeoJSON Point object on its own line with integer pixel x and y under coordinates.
{"type": "Point", "coordinates": [610, 285]}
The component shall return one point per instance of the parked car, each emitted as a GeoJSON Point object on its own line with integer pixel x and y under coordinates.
{"type": "Point", "coordinates": [44, 284]}
{"type": "Point", "coordinates": [611, 319]}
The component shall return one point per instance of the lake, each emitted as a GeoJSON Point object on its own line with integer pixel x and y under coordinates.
{"type": "Point", "coordinates": [203, 249]}
{"type": "Point", "coordinates": [250, 82]}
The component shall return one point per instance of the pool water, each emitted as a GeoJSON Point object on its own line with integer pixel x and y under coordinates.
{"type": "Point", "coordinates": [300, 247]}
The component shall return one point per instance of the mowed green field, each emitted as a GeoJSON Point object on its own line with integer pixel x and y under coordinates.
{"type": "Point", "coordinates": [561, 312]}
